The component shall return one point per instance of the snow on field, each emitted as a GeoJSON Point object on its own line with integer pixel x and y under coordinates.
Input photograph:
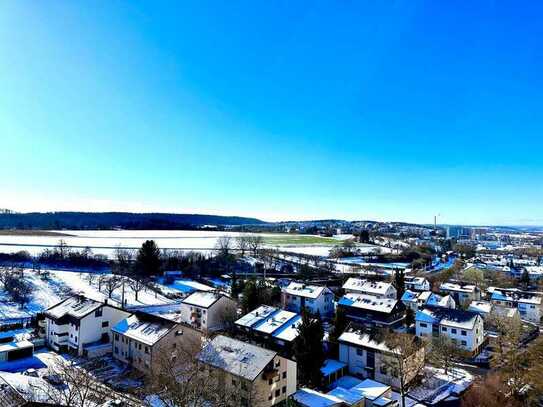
{"type": "Point", "coordinates": [106, 241]}
{"type": "Point", "coordinates": [44, 294]}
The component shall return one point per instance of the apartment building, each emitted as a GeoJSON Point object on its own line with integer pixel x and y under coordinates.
{"type": "Point", "coordinates": [379, 289]}
{"type": "Point", "coordinates": [147, 342]}
{"type": "Point", "coordinates": [372, 311]}
{"type": "Point", "coordinates": [81, 326]}
{"type": "Point", "coordinates": [207, 311]}
{"type": "Point", "coordinates": [465, 328]}
{"type": "Point", "coordinates": [313, 298]}
{"type": "Point", "coordinates": [258, 376]}
{"type": "Point", "coordinates": [419, 299]}
{"type": "Point", "coordinates": [417, 284]}
{"type": "Point", "coordinates": [370, 357]}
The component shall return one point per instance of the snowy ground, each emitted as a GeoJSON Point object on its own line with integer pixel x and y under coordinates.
{"type": "Point", "coordinates": [106, 241]}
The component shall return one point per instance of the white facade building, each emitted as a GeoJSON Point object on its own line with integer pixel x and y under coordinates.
{"type": "Point", "coordinates": [464, 328]}
{"type": "Point", "coordinates": [81, 326]}
{"type": "Point", "coordinates": [207, 311]}
{"type": "Point", "coordinates": [314, 298]}
{"type": "Point", "coordinates": [417, 284]}
{"type": "Point", "coordinates": [379, 289]}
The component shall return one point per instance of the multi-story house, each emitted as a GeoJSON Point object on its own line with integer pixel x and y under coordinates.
{"type": "Point", "coordinates": [372, 311]}
{"type": "Point", "coordinates": [370, 357]}
{"type": "Point", "coordinates": [81, 326]}
{"type": "Point", "coordinates": [464, 328]}
{"type": "Point", "coordinates": [208, 311]}
{"type": "Point", "coordinates": [313, 298]}
{"type": "Point", "coordinates": [463, 294]}
{"type": "Point", "coordinates": [149, 342]}
{"type": "Point", "coordinates": [269, 324]}
{"type": "Point", "coordinates": [417, 284]}
{"type": "Point", "coordinates": [528, 305]}
{"type": "Point", "coordinates": [379, 289]}
{"type": "Point", "coordinates": [258, 377]}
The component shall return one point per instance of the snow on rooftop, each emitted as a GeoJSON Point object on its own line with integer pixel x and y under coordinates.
{"type": "Point", "coordinates": [371, 389]}
{"type": "Point", "coordinates": [482, 307]}
{"type": "Point", "coordinates": [312, 398]}
{"type": "Point", "coordinates": [204, 299]}
{"type": "Point", "coordinates": [369, 302]}
{"type": "Point", "coordinates": [32, 389]}
{"type": "Point", "coordinates": [457, 287]}
{"type": "Point", "coordinates": [331, 365]}
{"type": "Point", "coordinates": [14, 345]}
{"type": "Point", "coordinates": [173, 311]}
{"type": "Point", "coordinates": [449, 317]}
{"type": "Point", "coordinates": [76, 306]}
{"type": "Point", "coordinates": [361, 338]}
{"type": "Point", "coordinates": [273, 321]}
{"type": "Point", "coordinates": [349, 396]}
{"type": "Point", "coordinates": [256, 316]}
{"type": "Point", "coordinates": [236, 357]}
{"type": "Point", "coordinates": [303, 290]}
{"type": "Point", "coordinates": [143, 330]}
{"type": "Point", "coordinates": [365, 286]}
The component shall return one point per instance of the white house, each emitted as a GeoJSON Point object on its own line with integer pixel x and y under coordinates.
{"type": "Point", "coordinates": [207, 311]}
{"type": "Point", "coordinates": [81, 326]}
{"type": "Point", "coordinates": [483, 308]}
{"type": "Point", "coordinates": [465, 328]}
{"type": "Point", "coordinates": [314, 298]}
{"type": "Point", "coordinates": [528, 305]}
{"type": "Point", "coordinates": [379, 289]}
{"type": "Point", "coordinates": [417, 284]}
{"type": "Point", "coordinates": [368, 357]}
{"type": "Point", "coordinates": [372, 311]}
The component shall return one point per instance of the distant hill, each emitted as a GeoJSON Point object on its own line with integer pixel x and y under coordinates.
{"type": "Point", "coordinates": [112, 220]}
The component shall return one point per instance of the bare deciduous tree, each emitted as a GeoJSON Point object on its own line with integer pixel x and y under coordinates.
{"type": "Point", "coordinates": [224, 245]}
{"type": "Point", "coordinates": [443, 352]}
{"type": "Point", "coordinates": [242, 243]}
{"type": "Point", "coordinates": [111, 284]}
{"type": "Point", "coordinates": [255, 243]}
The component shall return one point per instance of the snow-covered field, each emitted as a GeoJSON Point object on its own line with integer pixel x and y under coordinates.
{"type": "Point", "coordinates": [61, 284]}
{"type": "Point", "coordinates": [106, 241]}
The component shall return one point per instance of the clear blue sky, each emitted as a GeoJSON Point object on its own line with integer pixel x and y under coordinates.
{"type": "Point", "coordinates": [393, 110]}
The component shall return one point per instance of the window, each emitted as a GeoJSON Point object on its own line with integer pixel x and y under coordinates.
{"type": "Point", "coordinates": [116, 337]}
{"type": "Point", "coordinates": [277, 393]}
{"type": "Point", "coordinates": [174, 345]}
{"type": "Point", "coordinates": [277, 378]}
{"type": "Point", "coordinates": [359, 352]}
{"type": "Point", "coordinates": [146, 349]}
{"type": "Point", "coordinates": [284, 375]}
{"type": "Point", "coordinates": [383, 369]}
{"type": "Point", "coordinates": [444, 329]}
{"type": "Point", "coordinates": [98, 313]}
{"type": "Point", "coordinates": [464, 333]}
{"type": "Point", "coordinates": [423, 325]}
{"type": "Point", "coordinates": [270, 381]}
{"type": "Point", "coordinates": [453, 330]}
{"type": "Point", "coordinates": [284, 389]}
{"type": "Point", "coordinates": [270, 396]}
{"type": "Point", "coordinates": [116, 350]}
{"type": "Point", "coordinates": [234, 382]}
{"type": "Point", "coordinates": [278, 363]}
{"type": "Point", "coordinates": [105, 324]}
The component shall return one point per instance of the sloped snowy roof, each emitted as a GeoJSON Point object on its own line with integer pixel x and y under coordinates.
{"type": "Point", "coordinates": [236, 357]}
{"type": "Point", "coordinates": [349, 396]}
{"type": "Point", "coordinates": [450, 317]}
{"type": "Point", "coordinates": [77, 306]}
{"type": "Point", "coordinates": [331, 365]}
{"type": "Point", "coordinates": [143, 329]}
{"type": "Point", "coordinates": [171, 311]}
{"type": "Point", "coordinates": [360, 338]}
{"type": "Point", "coordinates": [31, 389]}
{"type": "Point", "coordinates": [256, 316]}
{"type": "Point", "coordinates": [371, 389]}
{"type": "Point", "coordinates": [204, 299]}
{"type": "Point", "coordinates": [14, 345]}
{"type": "Point", "coordinates": [369, 302]}
{"type": "Point", "coordinates": [457, 287]}
{"type": "Point", "coordinates": [366, 286]}
{"type": "Point", "coordinates": [409, 296]}
{"type": "Point", "coordinates": [303, 290]}
{"type": "Point", "coordinates": [482, 307]}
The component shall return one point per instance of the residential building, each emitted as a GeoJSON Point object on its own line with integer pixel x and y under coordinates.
{"type": "Point", "coordinates": [483, 308]}
{"type": "Point", "coordinates": [270, 324]}
{"type": "Point", "coordinates": [208, 311]}
{"type": "Point", "coordinates": [372, 311]}
{"type": "Point", "coordinates": [463, 294]}
{"type": "Point", "coordinates": [417, 284]}
{"type": "Point", "coordinates": [259, 376]}
{"type": "Point", "coordinates": [81, 326]}
{"type": "Point", "coordinates": [465, 328]}
{"type": "Point", "coordinates": [417, 300]}
{"type": "Point", "coordinates": [314, 298]}
{"type": "Point", "coordinates": [18, 390]}
{"type": "Point", "coordinates": [370, 357]}
{"type": "Point", "coordinates": [379, 289]}
{"type": "Point", "coordinates": [366, 393]}
{"type": "Point", "coordinates": [528, 305]}
{"type": "Point", "coordinates": [146, 341]}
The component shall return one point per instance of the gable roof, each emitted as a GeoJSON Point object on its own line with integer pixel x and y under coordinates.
{"type": "Point", "coordinates": [236, 357]}
{"type": "Point", "coordinates": [273, 321]}
{"type": "Point", "coordinates": [366, 286]}
{"type": "Point", "coordinates": [368, 302]}
{"type": "Point", "coordinates": [145, 328]}
{"type": "Point", "coordinates": [449, 317]}
{"type": "Point", "coordinates": [204, 299]}
{"type": "Point", "coordinates": [76, 306]}
{"type": "Point", "coordinates": [304, 290]}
